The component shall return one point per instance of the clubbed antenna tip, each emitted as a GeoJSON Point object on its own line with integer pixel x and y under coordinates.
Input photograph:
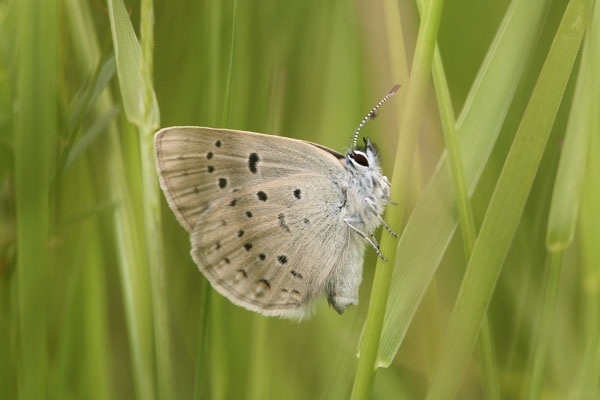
{"type": "Point", "coordinates": [394, 89]}
{"type": "Point", "coordinates": [372, 114]}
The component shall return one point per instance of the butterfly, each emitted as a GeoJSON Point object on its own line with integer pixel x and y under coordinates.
{"type": "Point", "coordinates": [275, 222]}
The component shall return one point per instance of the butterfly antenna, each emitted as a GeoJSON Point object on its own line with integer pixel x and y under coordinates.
{"type": "Point", "coordinates": [372, 114]}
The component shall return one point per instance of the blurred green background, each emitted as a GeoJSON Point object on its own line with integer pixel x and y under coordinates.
{"type": "Point", "coordinates": [79, 319]}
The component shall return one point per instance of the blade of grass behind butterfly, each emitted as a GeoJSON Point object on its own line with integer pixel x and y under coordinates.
{"type": "Point", "coordinates": [585, 386]}
{"type": "Point", "coordinates": [81, 365]}
{"type": "Point", "coordinates": [413, 105]}
{"type": "Point", "coordinates": [126, 231]}
{"type": "Point", "coordinates": [566, 195]}
{"type": "Point", "coordinates": [435, 218]}
{"type": "Point", "coordinates": [37, 66]}
{"type": "Point", "coordinates": [209, 351]}
{"type": "Point", "coordinates": [135, 68]}
{"type": "Point", "coordinates": [465, 210]}
{"type": "Point", "coordinates": [507, 203]}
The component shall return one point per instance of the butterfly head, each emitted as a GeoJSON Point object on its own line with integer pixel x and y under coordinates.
{"type": "Point", "coordinates": [363, 158]}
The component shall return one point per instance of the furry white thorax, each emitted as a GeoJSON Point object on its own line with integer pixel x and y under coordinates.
{"type": "Point", "coordinates": [367, 190]}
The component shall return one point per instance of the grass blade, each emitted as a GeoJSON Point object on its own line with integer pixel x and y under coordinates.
{"type": "Point", "coordinates": [35, 140]}
{"type": "Point", "coordinates": [465, 209]}
{"type": "Point", "coordinates": [435, 218]}
{"type": "Point", "coordinates": [567, 193]}
{"type": "Point", "coordinates": [507, 203]}
{"type": "Point", "coordinates": [415, 98]}
{"type": "Point", "coordinates": [134, 67]}
{"type": "Point", "coordinates": [585, 386]}
{"type": "Point", "coordinates": [132, 258]}
{"type": "Point", "coordinates": [571, 169]}
{"type": "Point", "coordinates": [128, 56]}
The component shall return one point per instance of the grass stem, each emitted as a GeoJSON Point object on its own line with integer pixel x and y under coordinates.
{"type": "Point", "coordinates": [415, 98]}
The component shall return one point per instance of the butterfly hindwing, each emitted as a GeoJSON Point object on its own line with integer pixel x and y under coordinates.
{"type": "Point", "coordinates": [271, 248]}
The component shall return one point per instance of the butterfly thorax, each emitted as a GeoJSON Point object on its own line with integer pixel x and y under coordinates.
{"type": "Point", "coordinates": [366, 189]}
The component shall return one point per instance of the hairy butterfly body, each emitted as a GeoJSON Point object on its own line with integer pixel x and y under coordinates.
{"type": "Point", "coordinates": [274, 222]}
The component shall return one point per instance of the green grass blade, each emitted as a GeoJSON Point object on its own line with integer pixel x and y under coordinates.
{"type": "Point", "coordinates": [35, 140]}
{"type": "Point", "coordinates": [200, 376]}
{"type": "Point", "coordinates": [128, 56]}
{"type": "Point", "coordinates": [465, 209]}
{"type": "Point", "coordinates": [567, 193]}
{"type": "Point", "coordinates": [230, 67]}
{"type": "Point", "coordinates": [571, 169]}
{"type": "Point", "coordinates": [544, 326]}
{"type": "Point", "coordinates": [414, 101]}
{"type": "Point", "coordinates": [127, 237]}
{"type": "Point", "coordinates": [435, 218]}
{"type": "Point", "coordinates": [89, 136]}
{"type": "Point", "coordinates": [507, 203]}
{"type": "Point", "coordinates": [134, 67]}
{"type": "Point", "coordinates": [151, 202]}
{"type": "Point", "coordinates": [585, 386]}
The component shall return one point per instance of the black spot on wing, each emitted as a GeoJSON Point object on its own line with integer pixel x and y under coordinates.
{"type": "Point", "coordinates": [252, 161]}
{"type": "Point", "coordinates": [262, 196]}
{"type": "Point", "coordinates": [296, 274]}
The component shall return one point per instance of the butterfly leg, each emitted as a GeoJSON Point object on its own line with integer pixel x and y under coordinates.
{"type": "Point", "coordinates": [364, 236]}
{"type": "Point", "coordinates": [374, 240]}
{"type": "Point", "coordinates": [387, 227]}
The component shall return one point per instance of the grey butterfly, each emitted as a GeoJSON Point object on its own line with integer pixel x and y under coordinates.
{"type": "Point", "coordinates": [274, 222]}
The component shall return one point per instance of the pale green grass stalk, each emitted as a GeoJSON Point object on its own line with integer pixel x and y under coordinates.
{"type": "Point", "coordinates": [544, 326]}
{"type": "Point", "coordinates": [415, 98]}
{"type": "Point", "coordinates": [465, 210]}
{"type": "Point", "coordinates": [200, 376]}
{"type": "Point", "coordinates": [152, 208]}
{"type": "Point", "coordinates": [567, 193]}
{"type": "Point", "coordinates": [435, 218]}
{"type": "Point", "coordinates": [127, 241]}
{"type": "Point", "coordinates": [507, 204]}
{"type": "Point", "coordinates": [230, 67]}
{"type": "Point", "coordinates": [258, 371]}
{"type": "Point", "coordinates": [465, 214]}
{"type": "Point", "coordinates": [35, 139]}
{"type": "Point", "coordinates": [585, 385]}
{"type": "Point", "coordinates": [98, 383]}
{"type": "Point", "coordinates": [90, 264]}
{"type": "Point", "coordinates": [399, 71]}
{"type": "Point", "coordinates": [219, 376]}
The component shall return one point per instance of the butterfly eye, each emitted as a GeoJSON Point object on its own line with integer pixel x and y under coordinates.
{"type": "Point", "coordinates": [360, 158]}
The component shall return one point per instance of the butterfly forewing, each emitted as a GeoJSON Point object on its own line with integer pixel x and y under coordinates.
{"type": "Point", "coordinates": [263, 213]}
{"type": "Point", "coordinates": [198, 166]}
